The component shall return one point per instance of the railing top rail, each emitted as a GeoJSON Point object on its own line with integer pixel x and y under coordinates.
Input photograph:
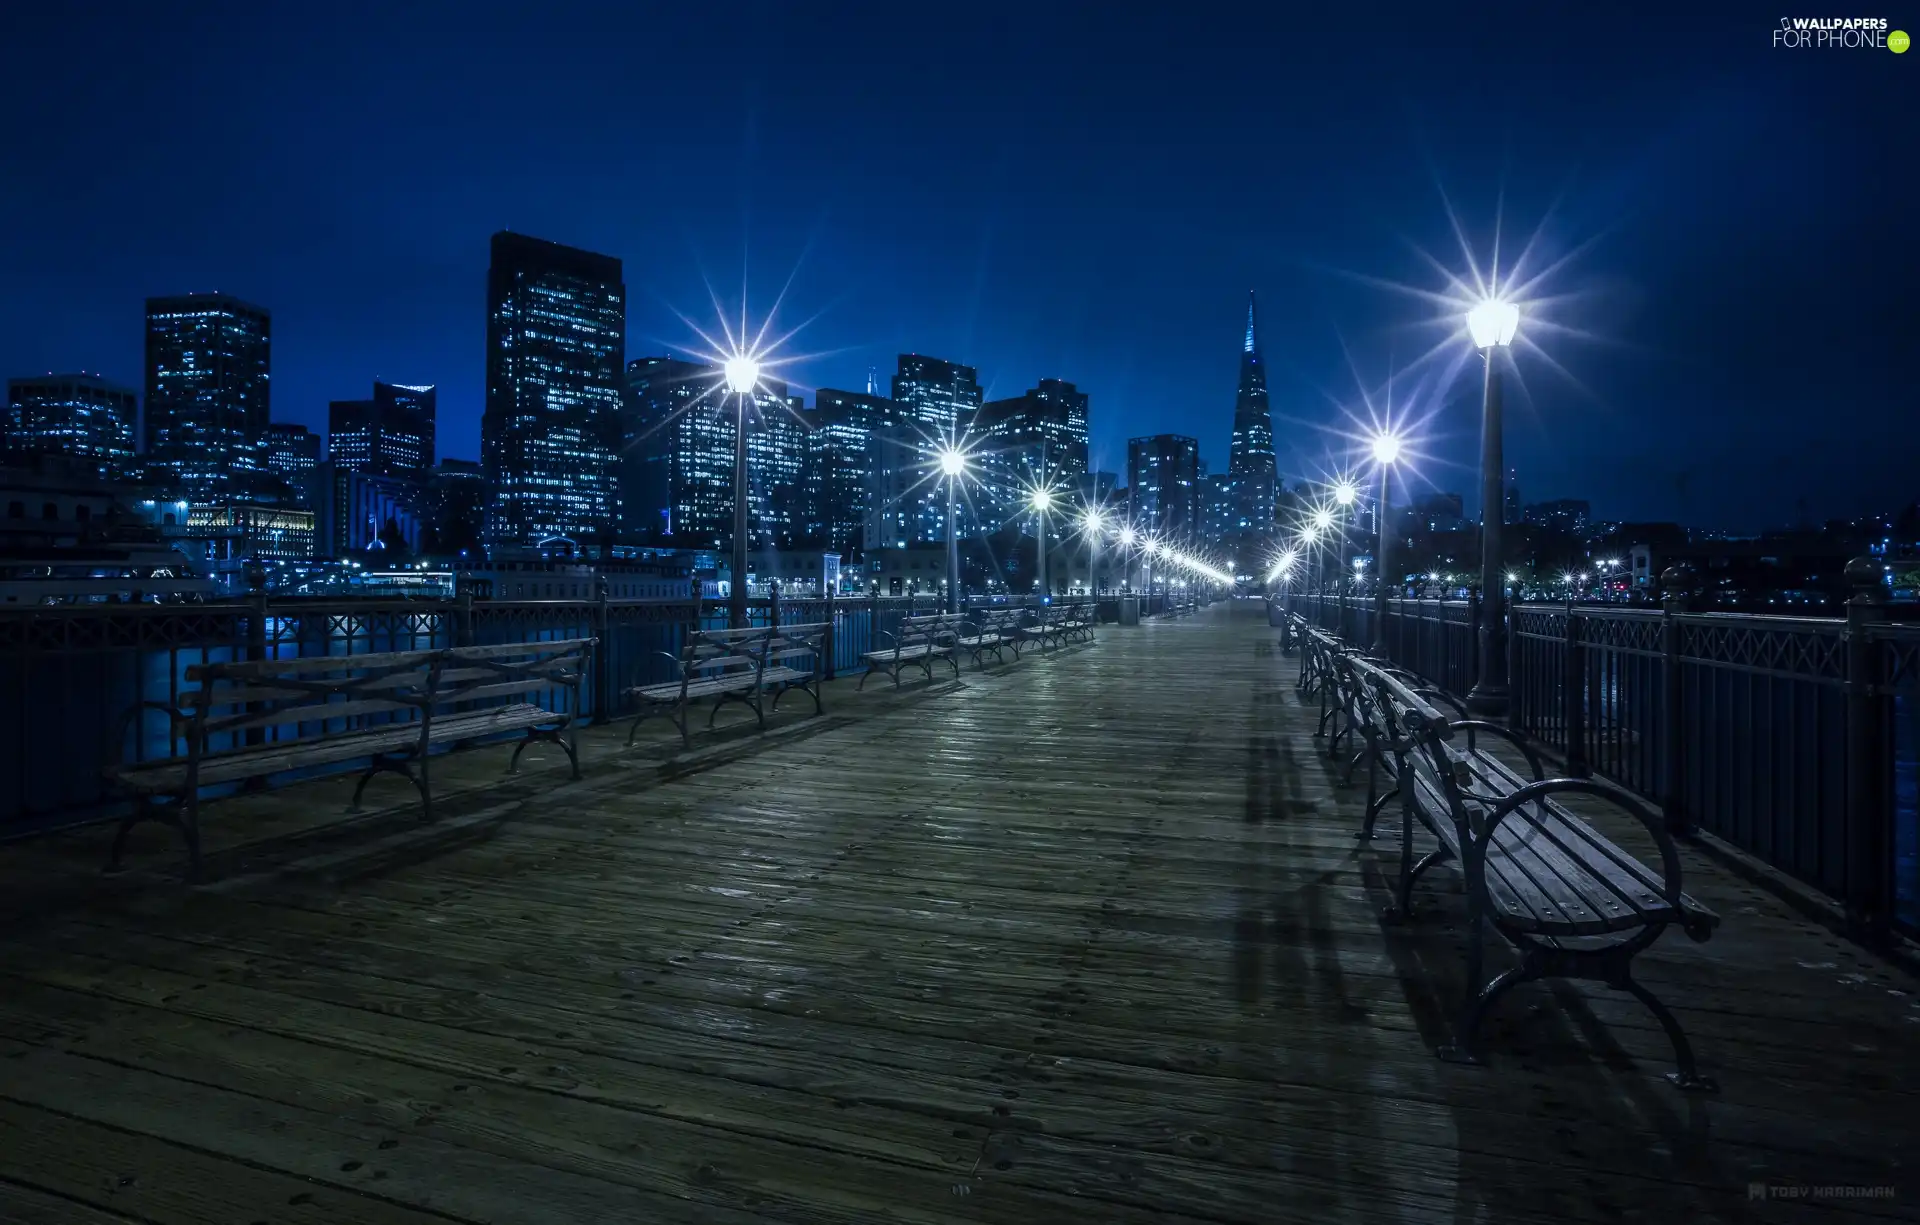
{"type": "Point", "coordinates": [1812, 625]}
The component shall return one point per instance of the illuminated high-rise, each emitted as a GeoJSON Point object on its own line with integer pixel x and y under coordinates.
{"type": "Point", "coordinates": [208, 371]}
{"type": "Point", "coordinates": [1163, 484]}
{"type": "Point", "coordinates": [556, 335]}
{"type": "Point", "coordinates": [676, 458]}
{"type": "Point", "coordinates": [390, 435]}
{"type": "Point", "coordinates": [1250, 461]}
{"type": "Point", "coordinates": [842, 458]}
{"type": "Point", "coordinates": [81, 415]}
{"type": "Point", "coordinates": [939, 402]}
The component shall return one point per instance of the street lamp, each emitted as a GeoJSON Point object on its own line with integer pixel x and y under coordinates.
{"type": "Point", "coordinates": [742, 375]}
{"type": "Point", "coordinates": [1091, 523]}
{"type": "Point", "coordinates": [953, 465]}
{"type": "Point", "coordinates": [1041, 501]}
{"type": "Point", "coordinates": [1386, 451]}
{"type": "Point", "coordinates": [1322, 524]}
{"type": "Point", "coordinates": [1492, 324]}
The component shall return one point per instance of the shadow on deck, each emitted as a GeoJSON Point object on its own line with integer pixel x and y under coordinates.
{"type": "Point", "coordinates": [1085, 938]}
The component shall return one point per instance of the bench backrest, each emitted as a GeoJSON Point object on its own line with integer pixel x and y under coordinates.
{"type": "Point", "coordinates": [1410, 726]}
{"type": "Point", "coordinates": [280, 697]}
{"type": "Point", "coordinates": [718, 654]}
{"type": "Point", "coordinates": [799, 647]}
{"type": "Point", "coordinates": [470, 675]}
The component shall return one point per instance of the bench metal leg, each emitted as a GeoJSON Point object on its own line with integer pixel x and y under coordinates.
{"type": "Point", "coordinates": [1465, 1047]}
{"type": "Point", "coordinates": [1687, 1074]}
{"type": "Point", "coordinates": [810, 690]}
{"type": "Point", "coordinates": [181, 815]}
{"type": "Point", "coordinates": [388, 764]}
{"type": "Point", "coordinates": [1374, 807]}
{"type": "Point", "coordinates": [554, 735]}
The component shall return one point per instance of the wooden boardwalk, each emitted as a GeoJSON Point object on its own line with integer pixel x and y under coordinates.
{"type": "Point", "coordinates": [1086, 938]}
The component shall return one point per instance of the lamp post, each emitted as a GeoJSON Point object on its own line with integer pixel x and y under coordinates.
{"type": "Point", "coordinates": [1041, 500]}
{"type": "Point", "coordinates": [1128, 538]}
{"type": "Point", "coordinates": [1090, 525]}
{"type": "Point", "coordinates": [1386, 450]}
{"type": "Point", "coordinates": [1344, 493]}
{"type": "Point", "coordinates": [953, 464]}
{"type": "Point", "coordinates": [742, 374]}
{"type": "Point", "coordinates": [1322, 525]}
{"type": "Point", "coordinates": [1493, 324]}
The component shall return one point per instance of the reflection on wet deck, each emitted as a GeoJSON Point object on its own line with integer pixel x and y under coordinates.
{"type": "Point", "coordinates": [1084, 938]}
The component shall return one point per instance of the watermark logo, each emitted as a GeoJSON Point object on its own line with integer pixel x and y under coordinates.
{"type": "Point", "coordinates": [1817, 1191]}
{"type": "Point", "coordinates": [1839, 33]}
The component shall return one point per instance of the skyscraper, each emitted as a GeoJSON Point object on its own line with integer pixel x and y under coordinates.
{"type": "Point", "coordinates": [677, 457]}
{"type": "Point", "coordinates": [293, 452]}
{"type": "Point", "coordinates": [940, 397]}
{"type": "Point", "coordinates": [1163, 483]}
{"type": "Point", "coordinates": [1250, 463]}
{"type": "Point", "coordinates": [938, 404]}
{"type": "Point", "coordinates": [556, 335]}
{"type": "Point", "coordinates": [391, 435]}
{"type": "Point", "coordinates": [208, 370]}
{"type": "Point", "coordinates": [81, 415]}
{"type": "Point", "coordinates": [842, 456]}
{"type": "Point", "coordinates": [1041, 433]}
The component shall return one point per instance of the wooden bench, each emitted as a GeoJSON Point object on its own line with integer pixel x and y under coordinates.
{"type": "Point", "coordinates": [247, 721]}
{"type": "Point", "coordinates": [994, 629]}
{"type": "Point", "coordinates": [919, 643]}
{"type": "Point", "coordinates": [1571, 902]}
{"type": "Point", "coordinates": [735, 665]}
{"type": "Point", "coordinates": [1076, 622]}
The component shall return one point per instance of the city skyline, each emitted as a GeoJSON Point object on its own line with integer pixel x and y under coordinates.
{"type": "Point", "coordinates": [1724, 306]}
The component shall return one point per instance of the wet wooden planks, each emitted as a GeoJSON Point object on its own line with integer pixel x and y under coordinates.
{"type": "Point", "coordinates": [1086, 937]}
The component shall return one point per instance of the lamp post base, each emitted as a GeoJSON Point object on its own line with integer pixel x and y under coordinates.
{"type": "Point", "coordinates": [1488, 701]}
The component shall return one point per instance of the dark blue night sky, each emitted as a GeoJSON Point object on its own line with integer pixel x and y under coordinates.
{"type": "Point", "coordinates": [1084, 192]}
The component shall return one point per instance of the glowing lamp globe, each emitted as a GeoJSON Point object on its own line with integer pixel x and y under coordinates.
{"type": "Point", "coordinates": [1090, 521]}
{"type": "Point", "coordinates": [1127, 536]}
{"type": "Point", "coordinates": [1323, 519]}
{"type": "Point", "coordinates": [1344, 493]}
{"type": "Point", "coordinates": [1042, 499]}
{"type": "Point", "coordinates": [743, 374]}
{"type": "Point", "coordinates": [952, 463]}
{"type": "Point", "coordinates": [1386, 449]}
{"type": "Point", "coordinates": [1493, 322]}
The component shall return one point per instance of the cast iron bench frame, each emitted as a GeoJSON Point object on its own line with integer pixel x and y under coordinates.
{"type": "Point", "coordinates": [735, 665]}
{"type": "Point", "coordinates": [918, 642]}
{"type": "Point", "coordinates": [285, 710]}
{"type": "Point", "coordinates": [1568, 900]}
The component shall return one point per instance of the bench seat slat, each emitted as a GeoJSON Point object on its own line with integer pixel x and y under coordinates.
{"type": "Point", "coordinates": [167, 775]}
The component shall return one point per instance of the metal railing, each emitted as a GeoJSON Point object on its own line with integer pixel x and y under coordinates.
{"type": "Point", "coordinates": [72, 672]}
{"type": "Point", "coordinates": [1795, 739]}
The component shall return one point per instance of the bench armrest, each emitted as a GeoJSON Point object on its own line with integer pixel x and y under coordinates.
{"type": "Point", "coordinates": [179, 727]}
{"type": "Point", "coordinates": [1670, 886]}
{"type": "Point", "coordinates": [1534, 761]}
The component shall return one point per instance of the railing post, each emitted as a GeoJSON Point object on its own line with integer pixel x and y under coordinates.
{"type": "Point", "coordinates": [602, 655]}
{"type": "Point", "coordinates": [773, 604]}
{"type": "Point", "coordinates": [462, 633]}
{"type": "Point", "coordinates": [826, 643]}
{"type": "Point", "coordinates": [1573, 697]}
{"type": "Point", "coordinates": [1515, 683]}
{"type": "Point", "coordinates": [1869, 849]}
{"type": "Point", "coordinates": [1676, 587]}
